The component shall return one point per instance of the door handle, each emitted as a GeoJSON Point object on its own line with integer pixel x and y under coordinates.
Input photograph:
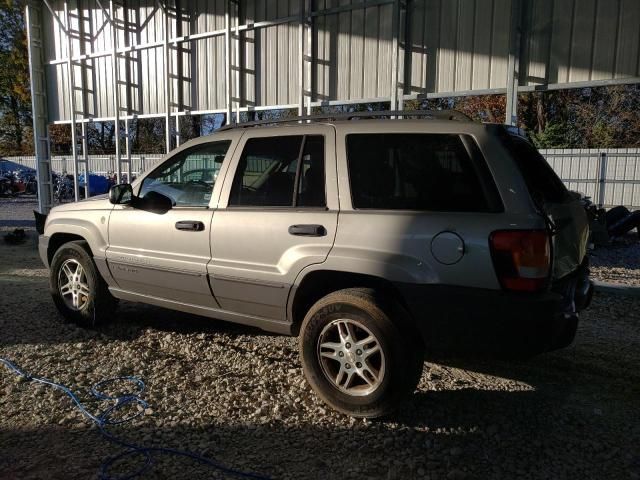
{"type": "Point", "coordinates": [190, 226]}
{"type": "Point", "coordinates": [308, 230]}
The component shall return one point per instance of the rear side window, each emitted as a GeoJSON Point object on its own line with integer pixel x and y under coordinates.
{"type": "Point", "coordinates": [285, 171]}
{"type": "Point", "coordinates": [542, 182]}
{"type": "Point", "coordinates": [431, 172]}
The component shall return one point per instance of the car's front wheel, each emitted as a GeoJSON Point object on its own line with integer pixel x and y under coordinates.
{"type": "Point", "coordinates": [77, 289]}
{"type": "Point", "coordinates": [356, 358]}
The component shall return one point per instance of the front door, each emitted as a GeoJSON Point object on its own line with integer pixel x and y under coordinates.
{"type": "Point", "coordinates": [165, 253]}
{"type": "Point", "coordinates": [277, 214]}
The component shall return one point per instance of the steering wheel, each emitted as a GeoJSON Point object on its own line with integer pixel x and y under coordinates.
{"type": "Point", "coordinates": [198, 182]}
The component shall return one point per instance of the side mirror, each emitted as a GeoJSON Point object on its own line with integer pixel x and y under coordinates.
{"type": "Point", "coordinates": [121, 194]}
{"type": "Point", "coordinates": [154, 202]}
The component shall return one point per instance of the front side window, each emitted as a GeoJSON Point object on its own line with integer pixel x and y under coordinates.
{"type": "Point", "coordinates": [188, 177]}
{"type": "Point", "coordinates": [286, 171]}
{"type": "Point", "coordinates": [430, 172]}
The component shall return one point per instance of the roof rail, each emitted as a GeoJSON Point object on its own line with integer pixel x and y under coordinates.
{"type": "Point", "coordinates": [434, 114]}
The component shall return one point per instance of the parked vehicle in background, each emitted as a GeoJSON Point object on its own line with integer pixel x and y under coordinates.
{"type": "Point", "coordinates": [15, 179]}
{"type": "Point", "coordinates": [373, 241]}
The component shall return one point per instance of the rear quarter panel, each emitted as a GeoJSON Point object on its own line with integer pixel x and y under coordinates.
{"type": "Point", "coordinates": [396, 245]}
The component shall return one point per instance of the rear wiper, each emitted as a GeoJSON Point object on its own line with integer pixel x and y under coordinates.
{"type": "Point", "coordinates": [539, 204]}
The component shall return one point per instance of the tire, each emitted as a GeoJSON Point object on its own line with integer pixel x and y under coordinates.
{"type": "Point", "coordinates": [615, 214]}
{"type": "Point", "coordinates": [93, 303]}
{"type": "Point", "coordinates": [5, 189]}
{"type": "Point", "coordinates": [378, 381]}
{"type": "Point", "coordinates": [626, 224]}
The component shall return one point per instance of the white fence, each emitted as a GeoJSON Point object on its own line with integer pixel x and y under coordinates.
{"type": "Point", "coordinates": [98, 164]}
{"type": "Point", "coordinates": [609, 176]}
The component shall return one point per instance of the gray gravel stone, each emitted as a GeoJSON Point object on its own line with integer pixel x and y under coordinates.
{"type": "Point", "coordinates": [238, 395]}
{"type": "Point", "coordinates": [618, 262]}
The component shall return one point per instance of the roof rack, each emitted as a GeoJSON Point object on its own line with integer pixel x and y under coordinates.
{"type": "Point", "coordinates": [434, 114]}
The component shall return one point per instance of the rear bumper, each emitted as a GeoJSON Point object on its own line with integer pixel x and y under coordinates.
{"type": "Point", "coordinates": [469, 320]}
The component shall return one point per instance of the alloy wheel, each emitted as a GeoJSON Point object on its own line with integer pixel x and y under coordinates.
{"type": "Point", "coordinates": [351, 357]}
{"type": "Point", "coordinates": [73, 285]}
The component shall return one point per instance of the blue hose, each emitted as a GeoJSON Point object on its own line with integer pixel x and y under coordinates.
{"type": "Point", "coordinates": [105, 418]}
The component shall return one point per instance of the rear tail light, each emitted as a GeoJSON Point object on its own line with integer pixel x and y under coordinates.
{"type": "Point", "coordinates": [522, 259]}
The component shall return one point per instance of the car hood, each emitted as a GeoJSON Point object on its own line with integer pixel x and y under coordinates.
{"type": "Point", "coordinates": [99, 202]}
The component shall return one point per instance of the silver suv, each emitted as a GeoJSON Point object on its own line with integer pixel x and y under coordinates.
{"type": "Point", "coordinates": [375, 241]}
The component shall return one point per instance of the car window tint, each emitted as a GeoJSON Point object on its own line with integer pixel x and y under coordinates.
{"type": "Point", "coordinates": [432, 172]}
{"type": "Point", "coordinates": [268, 168]}
{"type": "Point", "coordinates": [542, 182]}
{"type": "Point", "coordinates": [311, 185]}
{"type": "Point", "coordinates": [189, 176]}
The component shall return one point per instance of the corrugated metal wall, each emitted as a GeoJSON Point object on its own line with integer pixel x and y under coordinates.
{"type": "Point", "coordinates": [581, 40]}
{"type": "Point", "coordinates": [444, 46]}
{"type": "Point", "coordinates": [352, 54]}
{"type": "Point", "coordinates": [458, 45]}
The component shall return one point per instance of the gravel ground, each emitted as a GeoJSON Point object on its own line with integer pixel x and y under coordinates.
{"type": "Point", "coordinates": [618, 262]}
{"type": "Point", "coordinates": [238, 395]}
{"type": "Point", "coordinates": [17, 211]}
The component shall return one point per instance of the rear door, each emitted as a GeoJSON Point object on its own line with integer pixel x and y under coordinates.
{"type": "Point", "coordinates": [562, 207]}
{"type": "Point", "coordinates": [422, 203]}
{"type": "Point", "coordinates": [277, 214]}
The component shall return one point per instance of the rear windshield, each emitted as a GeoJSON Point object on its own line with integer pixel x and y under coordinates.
{"type": "Point", "coordinates": [431, 172]}
{"type": "Point", "coordinates": [541, 180]}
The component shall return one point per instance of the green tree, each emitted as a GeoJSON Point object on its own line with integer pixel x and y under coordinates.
{"type": "Point", "coordinates": [552, 135]}
{"type": "Point", "coordinates": [15, 97]}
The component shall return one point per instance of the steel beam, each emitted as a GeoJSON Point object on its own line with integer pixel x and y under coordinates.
{"type": "Point", "coordinates": [513, 64]}
{"type": "Point", "coordinates": [72, 104]}
{"type": "Point", "coordinates": [301, 42]}
{"type": "Point", "coordinates": [127, 147]}
{"type": "Point", "coordinates": [236, 56]}
{"type": "Point", "coordinates": [116, 90]}
{"type": "Point", "coordinates": [178, 138]}
{"type": "Point", "coordinates": [394, 55]}
{"type": "Point", "coordinates": [167, 79]}
{"type": "Point", "coordinates": [85, 157]}
{"type": "Point", "coordinates": [227, 61]}
{"type": "Point", "coordinates": [308, 73]}
{"type": "Point", "coordinates": [33, 21]}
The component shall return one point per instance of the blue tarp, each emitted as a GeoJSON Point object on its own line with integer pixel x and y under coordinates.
{"type": "Point", "coordinates": [97, 184]}
{"type": "Point", "coordinates": [9, 166]}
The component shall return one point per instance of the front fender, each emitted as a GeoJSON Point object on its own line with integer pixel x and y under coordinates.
{"type": "Point", "coordinates": [93, 228]}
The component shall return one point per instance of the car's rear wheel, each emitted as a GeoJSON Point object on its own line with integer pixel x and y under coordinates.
{"type": "Point", "coordinates": [77, 289]}
{"type": "Point", "coordinates": [357, 354]}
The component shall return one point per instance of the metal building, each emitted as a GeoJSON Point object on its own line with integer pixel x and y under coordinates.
{"type": "Point", "coordinates": [116, 60]}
